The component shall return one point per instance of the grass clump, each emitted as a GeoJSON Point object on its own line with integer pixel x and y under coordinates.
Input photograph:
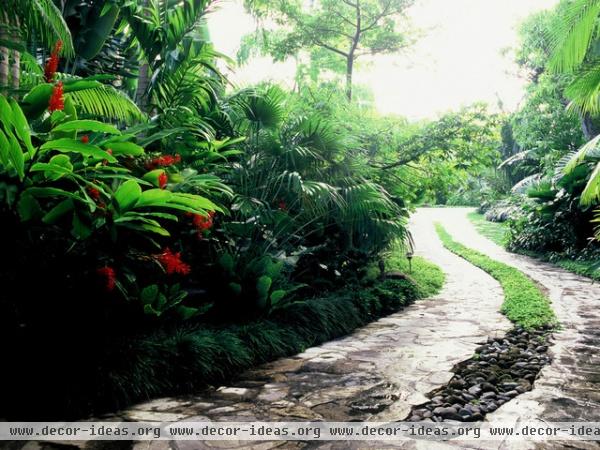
{"type": "Point", "coordinates": [494, 231]}
{"type": "Point", "coordinates": [588, 269]}
{"type": "Point", "coordinates": [497, 233]}
{"type": "Point", "coordinates": [524, 303]}
{"type": "Point", "coordinates": [428, 277]}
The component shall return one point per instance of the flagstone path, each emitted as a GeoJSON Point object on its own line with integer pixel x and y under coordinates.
{"type": "Point", "coordinates": [379, 372]}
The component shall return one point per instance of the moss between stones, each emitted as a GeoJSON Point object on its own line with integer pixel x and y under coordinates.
{"type": "Point", "coordinates": [524, 303]}
{"type": "Point", "coordinates": [184, 358]}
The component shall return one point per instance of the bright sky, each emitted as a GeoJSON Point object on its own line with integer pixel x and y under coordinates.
{"type": "Point", "coordinates": [458, 60]}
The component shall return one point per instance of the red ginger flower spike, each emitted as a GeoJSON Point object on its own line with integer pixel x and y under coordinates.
{"type": "Point", "coordinates": [162, 180]}
{"type": "Point", "coordinates": [163, 161]}
{"type": "Point", "coordinates": [110, 278]}
{"type": "Point", "coordinates": [203, 223]}
{"type": "Point", "coordinates": [85, 139]}
{"type": "Point", "coordinates": [172, 262]}
{"type": "Point", "coordinates": [94, 193]}
{"type": "Point", "coordinates": [57, 101]}
{"type": "Point", "coordinates": [52, 63]}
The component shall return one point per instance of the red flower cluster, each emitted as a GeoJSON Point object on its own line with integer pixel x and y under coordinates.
{"type": "Point", "coordinates": [203, 223]}
{"type": "Point", "coordinates": [57, 101]}
{"type": "Point", "coordinates": [162, 180]}
{"type": "Point", "coordinates": [52, 63]}
{"type": "Point", "coordinates": [94, 193]}
{"type": "Point", "coordinates": [85, 139]}
{"type": "Point", "coordinates": [109, 277]}
{"type": "Point", "coordinates": [163, 161]}
{"type": "Point", "coordinates": [172, 262]}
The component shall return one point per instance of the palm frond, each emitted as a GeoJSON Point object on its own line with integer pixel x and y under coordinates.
{"type": "Point", "coordinates": [526, 183]}
{"type": "Point", "coordinates": [584, 91]}
{"type": "Point", "coordinates": [572, 34]}
{"type": "Point", "coordinates": [44, 20]}
{"type": "Point", "coordinates": [589, 150]}
{"type": "Point", "coordinates": [106, 103]}
{"type": "Point", "coordinates": [591, 193]}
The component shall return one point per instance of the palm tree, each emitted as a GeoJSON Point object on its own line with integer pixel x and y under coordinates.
{"type": "Point", "coordinates": [29, 20]}
{"type": "Point", "coordinates": [160, 27]}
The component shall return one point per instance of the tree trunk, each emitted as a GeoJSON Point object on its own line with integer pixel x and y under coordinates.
{"type": "Point", "coordinates": [141, 95]}
{"type": "Point", "coordinates": [349, 70]}
{"type": "Point", "coordinates": [4, 68]}
{"type": "Point", "coordinates": [589, 128]}
{"type": "Point", "coordinates": [15, 70]}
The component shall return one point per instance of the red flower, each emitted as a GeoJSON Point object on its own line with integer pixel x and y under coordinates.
{"type": "Point", "coordinates": [203, 223]}
{"type": "Point", "coordinates": [162, 180]}
{"type": "Point", "coordinates": [163, 161]}
{"type": "Point", "coordinates": [94, 193]}
{"type": "Point", "coordinates": [282, 205]}
{"type": "Point", "coordinates": [172, 262]}
{"type": "Point", "coordinates": [52, 63]}
{"type": "Point", "coordinates": [109, 276]}
{"type": "Point", "coordinates": [85, 139]}
{"type": "Point", "coordinates": [57, 102]}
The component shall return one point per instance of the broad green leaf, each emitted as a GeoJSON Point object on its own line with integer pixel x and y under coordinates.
{"type": "Point", "coordinates": [22, 126]}
{"type": "Point", "coordinates": [36, 100]}
{"type": "Point", "coordinates": [59, 166]}
{"type": "Point", "coordinates": [45, 192]}
{"type": "Point", "coordinates": [128, 194]}
{"type": "Point", "coordinates": [80, 230]}
{"type": "Point", "coordinates": [263, 285]}
{"type": "Point", "coordinates": [277, 296]}
{"type": "Point", "coordinates": [146, 228]}
{"type": "Point", "coordinates": [154, 197]}
{"type": "Point", "coordinates": [80, 85]}
{"type": "Point", "coordinates": [153, 176]}
{"type": "Point", "coordinates": [28, 208]}
{"type": "Point", "coordinates": [75, 146]}
{"type": "Point", "coordinates": [56, 213]}
{"type": "Point", "coordinates": [15, 155]}
{"type": "Point", "coordinates": [186, 312]}
{"type": "Point", "coordinates": [4, 153]}
{"type": "Point", "coordinates": [226, 262]}
{"type": "Point", "coordinates": [94, 37]}
{"type": "Point", "coordinates": [6, 114]}
{"type": "Point", "coordinates": [86, 125]}
{"type": "Point", "coordinates": [125, 148]}
{"type": "Point", "coordinates": [149, 294]}
{"type": "Point", "coordinates": [194, 201]}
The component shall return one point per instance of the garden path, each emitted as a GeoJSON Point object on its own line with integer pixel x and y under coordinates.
{"type": "Point", "coordinates": [379, 372]}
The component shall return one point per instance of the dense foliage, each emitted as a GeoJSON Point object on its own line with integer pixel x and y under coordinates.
{"type": "Point", "coordinates": [145, 202]}
{"type": "Point", "coordinates": [550, 148]}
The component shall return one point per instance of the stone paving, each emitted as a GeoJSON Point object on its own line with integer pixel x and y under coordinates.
{"type": "Point", "coordinates": [379, 372]}
{"type": "Point", "coordinates": [569, 388]}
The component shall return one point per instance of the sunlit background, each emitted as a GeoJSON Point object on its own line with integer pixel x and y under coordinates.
{"type": "Point", "coordinates": [463, 56]}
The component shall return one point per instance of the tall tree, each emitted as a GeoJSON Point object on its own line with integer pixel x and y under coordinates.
{"type": "Point", "coordinates": [347, 28]}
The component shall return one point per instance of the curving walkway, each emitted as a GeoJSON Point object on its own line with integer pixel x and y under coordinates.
{"type": "Point", "coordinates": [568, 389]}
{"type": "Point", "coordinates": [379, 372]}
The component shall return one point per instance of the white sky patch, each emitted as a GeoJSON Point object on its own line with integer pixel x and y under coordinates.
{"type": "Point", "coordinates": [457, 61]}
